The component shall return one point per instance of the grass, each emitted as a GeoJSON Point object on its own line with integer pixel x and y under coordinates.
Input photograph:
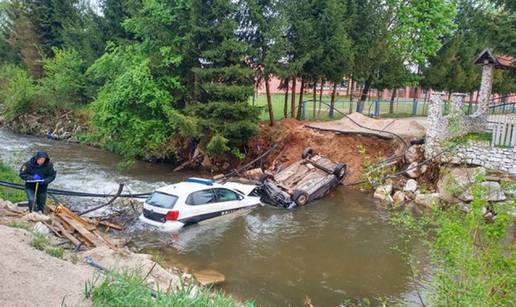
{"type": "Point", "coordinates": [130, 289]}
{"type": "Point", "coordinates": [8, 174]}
{"type": "Point", "coordinates": [476, 137]}
{"type": "Point", "coordinates": [402, 108]}
{"type": "Point", "coordinates": [57, 252]}
{"type": "Point", "coordinates": [19, 224]}
{"type": "Point", "coordinates": [39, 241]}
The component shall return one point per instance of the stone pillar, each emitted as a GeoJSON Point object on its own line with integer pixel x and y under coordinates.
{"type": "Point", "coordinates": [435, 124]}
{"type": "Point", "coordinates": [457, 107]}
{"type": "Point", "coordinates": [486, 85]}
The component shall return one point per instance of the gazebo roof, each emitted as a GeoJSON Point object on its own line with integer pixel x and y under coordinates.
{"type": "Point", "coordinates": [499, 61]}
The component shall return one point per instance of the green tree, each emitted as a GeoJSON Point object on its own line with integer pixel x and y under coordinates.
{"type": "Point", "coordinates": [222, 80]}
{"type": "Point", "coordinates": [263, 25]}
{"type": "Point", "coordinates": [134, 112]}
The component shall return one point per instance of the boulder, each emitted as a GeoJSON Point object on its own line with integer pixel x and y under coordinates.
{"type": "Point", "coordinates": [383, 193]}
{"type": "Point", "coordinates": [254, 173]}
{"type": "Point", "coordinates": [410, 186]}
{"type": "Point", "coordinates": [206, 162]}
{"type": "Point", "coordinates": [429, 200]}
{"type": "Point", "coordinates": [493, 189]}
{"type": "Point", "coordinates": [41, 228]}
{"type": "Point", "coordinates": [398, 197]}
{"type": "Point", "coordinates": [413, 154]}
{"type": "Point", "coordinates": [413, 170]}
{"type": "Point", "coordinates": [456, 181]}
{"type": "Point", "coordinates": [209, 277]}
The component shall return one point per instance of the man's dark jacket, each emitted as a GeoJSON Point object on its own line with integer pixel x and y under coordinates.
{"type": "Point", "coordinates": [45, 171]}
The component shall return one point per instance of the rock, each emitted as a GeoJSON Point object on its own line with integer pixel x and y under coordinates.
{"type": "Point", "coordinates": [429, 200]}
{"type": "Point", "coordinates": [383, 193]}
{"type": "Point", "coordinates": [41, 228]}
{"type": "Point", "coordinates": [206, 162]}
{"type": "Point", "coordinates": [413, 170]}
{"type": "Point", "coordinates": [254, 173]}
{"type": "Point", "coordinates": [209, 277]}
{"type": "Point", "coordinates": [7, 205]}
{"type": "Point", "coordinates": [493, 190]}
{"type": "Point", "coordinates": [423, 168]}
{"type": "Point", "coordinates": [410, 186]}
{"type": "Point", "coordinates": [413, 153]}
{"type": "Point", "coordinates": [456, 181]}
{"type": "Point", "coordinates": [36, 217]}
{"type": "Point", "coordinates": [398, 197]}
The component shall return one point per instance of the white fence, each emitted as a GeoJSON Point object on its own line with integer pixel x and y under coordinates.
{"type": "Point", "coordinates": [504, 133]}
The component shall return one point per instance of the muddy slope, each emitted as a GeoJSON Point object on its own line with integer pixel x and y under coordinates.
{"type": "Point", "coordinates": [292, 137]}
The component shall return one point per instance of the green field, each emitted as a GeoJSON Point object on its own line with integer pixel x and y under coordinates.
{"type": "Point", "coordinates": [402, 108]}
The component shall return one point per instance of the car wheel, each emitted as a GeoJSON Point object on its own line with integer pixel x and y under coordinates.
{"type": "Point", "coordinates": [300, 197]}
{"type": "Point", "coordinates": [307, 153]}
{"type": "Point", "coordinates": [340, 170]}
{"type": "Point", "coordinates": [264, 177]}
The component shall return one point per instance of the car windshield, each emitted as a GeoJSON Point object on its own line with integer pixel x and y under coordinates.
{"type": "Point", "coordinates": [162, 200]}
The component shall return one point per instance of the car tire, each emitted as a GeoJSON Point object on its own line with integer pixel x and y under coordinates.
{"type": "Point", "coordinates": [307, 153]}
{"type": "Point", "coordinates": [264, 177]}
{"type": "Point", "coordinates": [300, 197]}
{"type": "Point", "coordinates": [340, 170]}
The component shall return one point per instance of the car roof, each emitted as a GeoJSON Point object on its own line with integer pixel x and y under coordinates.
{"type": "Point", "coordinates": [184, 188]}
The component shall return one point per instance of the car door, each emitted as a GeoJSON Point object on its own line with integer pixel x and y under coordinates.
{"type": "Point", "coordinates": [227, 200]}
{"type": "Point", "coordinates": [201, 205]}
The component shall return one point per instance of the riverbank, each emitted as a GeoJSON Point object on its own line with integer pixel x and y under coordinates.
{"type": "Point", "coordinates": [290, 136]}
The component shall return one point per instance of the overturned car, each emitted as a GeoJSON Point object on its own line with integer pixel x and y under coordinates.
{"type": "Point", "coordinates": [305, 180]}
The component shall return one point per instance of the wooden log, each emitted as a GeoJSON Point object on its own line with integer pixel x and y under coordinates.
{"type": "Point", "coordinates": [67, 234]}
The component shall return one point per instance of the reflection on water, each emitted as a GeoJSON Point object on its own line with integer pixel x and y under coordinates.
{"type": "Point", "coordinates": [334, 249]}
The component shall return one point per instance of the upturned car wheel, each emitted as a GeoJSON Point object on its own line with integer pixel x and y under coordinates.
{"type": "Point", "coordinates": [307, 153]}
{"type": "Point", "coordinates": [300, 197]}
{"type": "Point", "coordinates": [340, 170]}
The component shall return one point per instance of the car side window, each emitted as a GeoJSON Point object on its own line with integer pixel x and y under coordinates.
{"type": "Point", "coordinates": [201, 198]}
{"type": "Point", "coordinates": [226, 195]}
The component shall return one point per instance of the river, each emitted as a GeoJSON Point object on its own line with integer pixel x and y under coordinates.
{"type": "Point", "coordinates": [336, 249]}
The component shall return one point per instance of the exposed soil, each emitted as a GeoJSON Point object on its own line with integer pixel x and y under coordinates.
{"type": "Point", "coordinates": [32, 278]}
{"type": "Point", "coordinates": [292, 137]}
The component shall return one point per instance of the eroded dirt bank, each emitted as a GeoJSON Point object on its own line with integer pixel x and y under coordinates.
{"type": "Point", "coordinates": [292, 137]}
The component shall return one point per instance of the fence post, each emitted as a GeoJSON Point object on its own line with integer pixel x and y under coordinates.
{"type": "Point", "coordinates": [414, 107]}
{"type": "Point", "coordinates": [303, 106]}
{"type": "Point", "coordinates": [376, 108]}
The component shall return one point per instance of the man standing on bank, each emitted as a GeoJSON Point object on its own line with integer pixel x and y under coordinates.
{"type": "Point", "coordinates": [38, 172]}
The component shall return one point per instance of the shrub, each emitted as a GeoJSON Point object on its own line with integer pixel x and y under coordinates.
{"type": "Point", "coordinates": [217, 145]}
{"type": "Point", "coordinates": [17, 91]}
{"type": "Point", "coordinates": [64, 82]}
{"type": "Point", "coordinates": [39, 241]}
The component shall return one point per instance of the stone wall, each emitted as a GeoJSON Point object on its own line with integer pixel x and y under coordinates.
{"type": "Point", "coordinates": [480, 153]}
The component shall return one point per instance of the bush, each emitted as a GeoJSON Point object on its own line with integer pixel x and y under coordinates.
{"type": "Point", "coordinates": [133, 112]}
{"type": "Point", "coordinates": [17, 91]}
{"type": "Point", "coordinates": [217, 145]}
{"type": "Point", "coordinates": [64, 82]}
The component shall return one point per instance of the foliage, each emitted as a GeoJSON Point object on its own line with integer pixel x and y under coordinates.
{"type": "Point", "coordinates": [19, 224]}
{"type": "Point", "coordinates": [133, 113]}
{"type": "Point", "coordinates": [236, 122]}
{"type": "Point", "coordinates": [8, 174]}
{"type": "Point", "coordinates": [63, 83]}
{"type": "Point", "coordinates": [472, 260]}
{"type": "Point", "coordinates": [131, 289]}
{"type": "Point", "coordinates": [17, 91]}
{"type": "Point", "coordinates": [217, 145]}
{"type": "Point", "coordinates": [39, 241]}
{"type": "Point", "coordinates": [374, 172]}
{"type": "Point", "coordinates": [57, 252]}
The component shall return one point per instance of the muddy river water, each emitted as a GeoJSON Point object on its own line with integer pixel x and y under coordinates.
{"type": "Point", "coordinates": [335, 249]}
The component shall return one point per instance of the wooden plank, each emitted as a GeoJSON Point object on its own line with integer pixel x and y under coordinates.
{"type": "Point", "coordinates": [110, 225]}
{"type": "Point", "coordinates": [513, 141]}
{"type": "Point", "coordinates": [66, 233]}
{"type": "Point", "coordinates": [79, 227]}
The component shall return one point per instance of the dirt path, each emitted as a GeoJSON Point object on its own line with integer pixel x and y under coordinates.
{"type": "Point", "coordinates": [32, 278]}
{"type": "Point", "coordinates": [408, 128]}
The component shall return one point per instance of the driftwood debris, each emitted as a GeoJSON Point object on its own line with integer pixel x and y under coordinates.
{"type": "Point", "coordinates": [79, 231]}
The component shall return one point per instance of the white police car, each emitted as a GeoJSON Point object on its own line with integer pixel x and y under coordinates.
{"type": "Point", "coordinates": [171, 207]}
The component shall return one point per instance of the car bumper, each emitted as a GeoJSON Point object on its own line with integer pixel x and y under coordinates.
{"type": "Point", "coordinates": [171, 226]}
